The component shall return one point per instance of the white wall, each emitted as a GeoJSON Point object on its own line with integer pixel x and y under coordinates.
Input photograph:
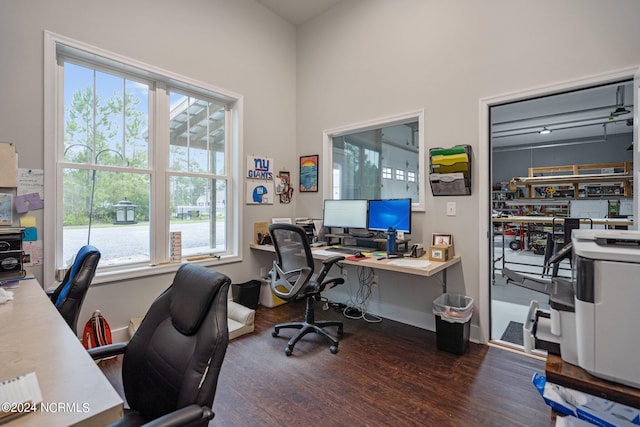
{"type": "Point", "coordinates": [236, 45]}
{"type": "Point", "coordinates": [365, 60]}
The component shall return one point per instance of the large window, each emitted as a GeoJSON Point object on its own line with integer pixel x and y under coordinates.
{"type": "Point", "coordinates": [378, 160]}
{"type": "Point", "coordinates": [139, 154]}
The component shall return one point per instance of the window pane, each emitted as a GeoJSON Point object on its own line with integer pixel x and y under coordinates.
{"type": "Point", "coordinates": [136, 136]}
{"type": "Point", "coordinates": [118, 205]}
{"type": "Point", "coordinates": [199, 211]}
{"type": "Point", "coordinates": [358, 157]}
{"type": "Point", "coordinates": [197, 132]}
{"type": "Point", "coordinates": [105, 113]}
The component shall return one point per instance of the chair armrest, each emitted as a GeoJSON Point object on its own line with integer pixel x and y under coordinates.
{"type": "Point", "coordinates": [182, 417]}
{"type": "Point", "coordinates": [331, 282]}
{"type": "Point", "coordinates": [108, 350]}
{"type": "Point", "coordinates": [326, 266]}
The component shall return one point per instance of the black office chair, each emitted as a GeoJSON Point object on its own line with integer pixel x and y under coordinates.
{"type": "Point", "coordinates": [171, 364]}
{"type": "Point", "coordinates": [69, 295]}
{"type": "Point", "coordinates": [292, 279]}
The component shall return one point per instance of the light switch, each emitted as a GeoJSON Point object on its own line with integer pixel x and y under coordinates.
{"type": "Point", "coordinates": [451, 208]}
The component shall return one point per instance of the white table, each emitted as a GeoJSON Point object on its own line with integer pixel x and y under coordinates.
{"type": "Point", "coordinates": [35, 338]}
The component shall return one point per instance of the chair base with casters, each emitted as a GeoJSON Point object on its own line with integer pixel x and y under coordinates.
{"type": "Point", "coordinates": [310, 325]}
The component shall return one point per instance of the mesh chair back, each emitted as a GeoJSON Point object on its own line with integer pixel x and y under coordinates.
{"type": "Point", "coordinates": [292, 247]}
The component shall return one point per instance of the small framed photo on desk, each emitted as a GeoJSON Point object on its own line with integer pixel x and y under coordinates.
{"type": "Point", "coordinates": [441, 239]}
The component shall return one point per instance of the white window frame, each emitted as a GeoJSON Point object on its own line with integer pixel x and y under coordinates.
{"type": "Point", "coordinates": [412, 116]}
{"type": "Point", "coordinates": [52, 229]}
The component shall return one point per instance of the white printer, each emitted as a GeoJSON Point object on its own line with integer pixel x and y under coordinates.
{"type": "Point", "coordinates": [594, 321]}
{"type": "Point", "coordinates": [606, 269]}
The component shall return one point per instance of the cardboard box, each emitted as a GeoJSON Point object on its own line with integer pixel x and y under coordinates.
{"type": "Point", "coordinates": [440, 252]}
{"type": "Point", "coordinates": [260, 229]}
{"type": "Point", "coordinates": [443, 239]}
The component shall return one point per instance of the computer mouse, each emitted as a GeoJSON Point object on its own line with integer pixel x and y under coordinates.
{"type": "Point", "coordinates": [360, 255]}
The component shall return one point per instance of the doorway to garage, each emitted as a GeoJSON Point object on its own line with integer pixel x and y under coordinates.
{"type": "Point", "coordinates": [541, 150]}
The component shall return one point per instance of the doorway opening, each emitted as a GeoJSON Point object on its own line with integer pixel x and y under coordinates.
{"type": "Point", "coordinates": [583, 131]}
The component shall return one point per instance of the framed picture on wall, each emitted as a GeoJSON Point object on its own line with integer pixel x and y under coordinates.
{"type": "Point", "coordinates": [284, 188]}
{"type": "Point", "coordinates": [6, 209]}
{"type": "Point", "coordinates": [309, 173]}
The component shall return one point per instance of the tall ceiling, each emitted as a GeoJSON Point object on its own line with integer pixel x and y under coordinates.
{"type": "Point", "coordinates": [298, 11]}
{"type": "Point", "coordinates": [583, 116]}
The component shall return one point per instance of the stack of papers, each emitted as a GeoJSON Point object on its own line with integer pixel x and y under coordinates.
{"type": "Point", "coordinates": [19, 396]}
{"type": "Point", "coordinates": [450, 170]}
{"type": "Point", "coordinates": [415, 263]}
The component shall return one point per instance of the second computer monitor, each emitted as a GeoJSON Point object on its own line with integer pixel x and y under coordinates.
{"type": "Point", "coordinates": [345, 213]}
{"type": "Point", "coordinates": [390, 213]}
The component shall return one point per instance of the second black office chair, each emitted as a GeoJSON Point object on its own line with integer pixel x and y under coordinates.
{"type": "Point", "coordinates": [69, 295]}
{"type": "Point", "coordinates": [292, 278]}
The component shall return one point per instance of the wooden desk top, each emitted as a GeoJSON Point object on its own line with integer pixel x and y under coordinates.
{"type": "Point", "coordinates": [571, 376]}
{"type": "Point", "coordinates": [394, 264]}
{"type": "Point", "coordinates": [35, 338]}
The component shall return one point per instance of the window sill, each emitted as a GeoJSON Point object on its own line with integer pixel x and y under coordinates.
{"type": "Point", "coordinates": [139, 271]}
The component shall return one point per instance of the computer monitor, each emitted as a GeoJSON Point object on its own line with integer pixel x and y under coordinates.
{"type": "Point", "coordinates": [345, 213]}
{"type": "Point", "coordinates": [389, 213]}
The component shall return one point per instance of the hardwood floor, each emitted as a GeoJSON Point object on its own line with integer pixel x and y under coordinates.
{"type": "Point", "coordinates": [385, 374]}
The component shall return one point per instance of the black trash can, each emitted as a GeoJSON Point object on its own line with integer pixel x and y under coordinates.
{"type": "Point", "coordinates": [247, 294]}
{"type": "Point", "coordinates": [453, 322]}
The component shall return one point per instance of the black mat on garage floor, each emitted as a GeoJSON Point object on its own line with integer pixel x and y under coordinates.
{"type": "Point", "coordinates": [513, 333]}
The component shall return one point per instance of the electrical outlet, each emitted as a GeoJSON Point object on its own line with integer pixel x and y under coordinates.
{"type": "Point", "coordinates": [263, 271]}
{"type": "Point", "coordinates": [374, 282]}
{"type": "Point", "coordinates": [344, 273]}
